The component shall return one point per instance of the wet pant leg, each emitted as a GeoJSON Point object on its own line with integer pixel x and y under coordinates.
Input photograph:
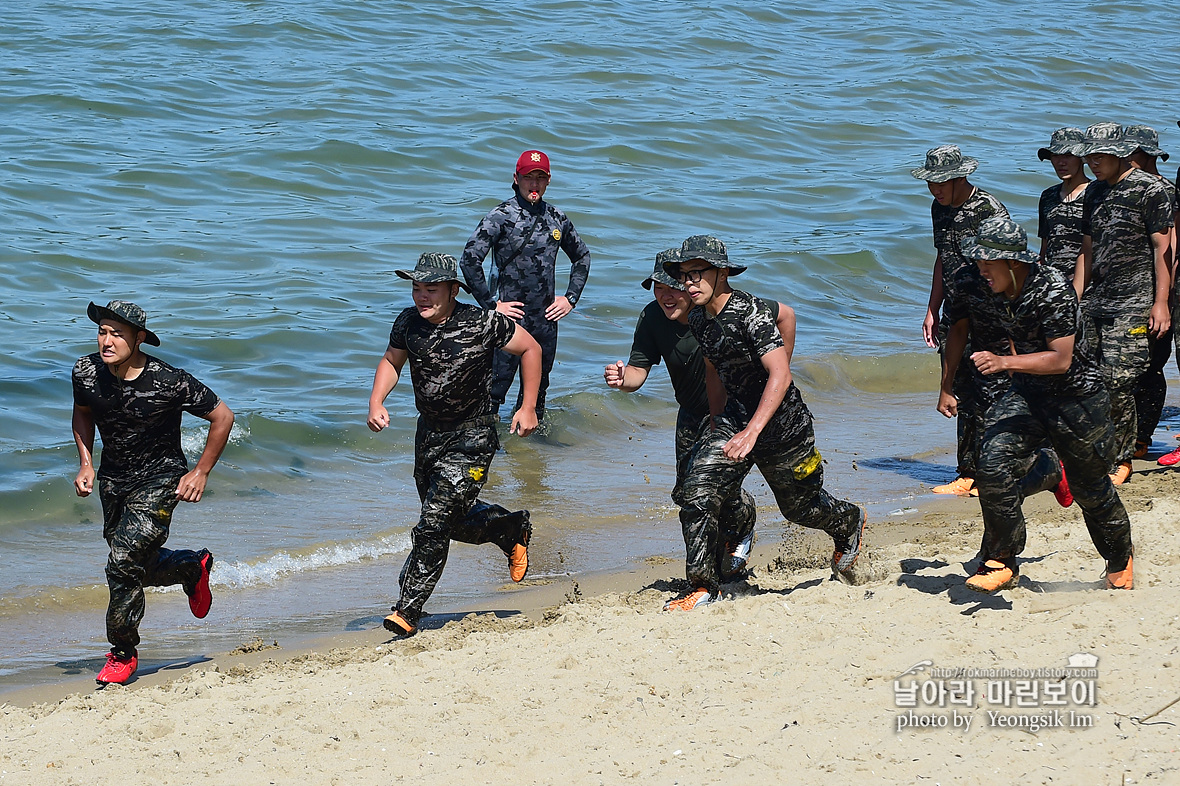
{"type": "Point", "coordinates": [506, 365]}
{"type": "Point", "coordinates": [136, 523]}
{"type": "Point", "coordinates": [1123, 355]}
{"type": "Point", "coordinates": [450, 469]}
{"type": "Point", "coordinates": [1152, 388]}
{"type": "Point", "coordinates": [1011, 440]}
{"type": "Point", "coordinates": [968, 423]}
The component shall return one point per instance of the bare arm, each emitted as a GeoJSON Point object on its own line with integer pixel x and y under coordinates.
{"type": "Point", "coordinates": [82, 423]}
{"type": "Point", "coordinates": [1079, 272]}
{"type": "Point", "coordinates": [1054, 360]}
{"type": "Point", "coordinates": [1161, 316]}
{"type": "Point", "coordinates": [930, 323]}
{"type": "Point", "coordinates": [952, 353]}
{"type": "Point", "coordinates": [786, 328]}
{"type": "Point", "coordinates": [778, 371]}
{"type": "Point", "coordinates": [524, 420]}
{"type": "Point", "coordinates": [624, 377]}
{"type": "Point", "coordinates": [389, 370]}
{"type": "Point", "coordinates": [1087, 265]}
{"type": "Point", "coordinates": [221, 421]}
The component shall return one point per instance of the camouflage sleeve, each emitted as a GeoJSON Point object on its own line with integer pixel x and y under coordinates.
{"type": "Point", "coordinates": [196, 397]}
{"type": "Point", "coordinates": [1058, 308]}
{"type": "Point", "coordinates": [474, 253]}
{"type": "Point", "coordinates": [77, 380]}
{"type": "Point", "coordinates": [500, 330]}
{"type": "Point", "coordinates": [998, 208]}
{"type": "Point", "coordinates": [644, 351]}
{"type": "Point", "coordinates": [1157, 210]}
{"type": "Point", "coordinates": [579, 254]}
{"type": "Point", "coordinates": [761, 325]}
{"type": "Point", "coordinates": [397, 334]}
{"type": "Point", "coordinates": [1089, 201]}
{"type": "Point", "coordinates": [954, 305]}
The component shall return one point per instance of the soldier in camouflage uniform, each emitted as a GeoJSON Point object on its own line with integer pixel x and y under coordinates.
{"type": "Point", "coordinates": [1057, 395]}
{"type": "Point", "coordinates": [524, 235]}
{"type": "Point", "coordinates": [450, 346]}
{"type": "Point", "coordinates": [1060, 208]}
{"type": "Point", "coordinates": [662, 333]}
{"type": "Point", "coordinates": [1126, 218]}
{"type": "Point", "coordinates": [764, 422]}
{"type": "Point", "coordinates": [956, 212]}
{"type": "Point", "coordinates": [136, 402]}
{"type": "Point", "coordinates": [1152, 388]}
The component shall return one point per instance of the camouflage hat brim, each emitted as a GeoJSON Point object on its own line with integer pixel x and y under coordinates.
{"type": "Point", "coordinates": [931, 175]}
{"type": "Point", "coordinates": [1067, 149]}
{"type": "Point", "coordinates": [1154, 150]}
{"type": "Point", "coordinates": [98, 313]}
{"type": "Point", "coordinates": [995, 252]}
{"type": "Point", "coordinates": [661, 277]}
{"type": "Point", "coordinates": [426, 275]}
{"type": "Point", "coordinates": [1109, 147]}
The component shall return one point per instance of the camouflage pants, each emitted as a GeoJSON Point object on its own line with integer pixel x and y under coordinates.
{"type": "Point", "coordinates": [136, 519]}
{"type": "Point", "coordinates": [738, 515]}
{"type": "Point", "coordinates": [1081, 434]}
{"type": "Point", "coordinates": [505, 365]}
{"type": "Point", "coordinates": [1123, 355]}
{"type": "Point", "coordinates": [794, 473]}
{"type": "Point", "coordinates": [450, 469]}
{"type": "Point", "coordinates": [1152, 388]}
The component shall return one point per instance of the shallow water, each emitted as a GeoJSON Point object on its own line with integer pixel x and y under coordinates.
{"type": "Point", "coordinates": [252, 175]}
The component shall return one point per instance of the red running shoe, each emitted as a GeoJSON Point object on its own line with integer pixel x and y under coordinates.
{"type": "Point", "coordinates": [200, 599]}
{"type": "Point", "coordinates": [1168, 459]}
{"type": "Point", "coordinates": [117, 670]}
{"type": "Point", "coordinates": [1062, 492]}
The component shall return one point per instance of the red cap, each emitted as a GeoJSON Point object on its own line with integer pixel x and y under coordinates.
{"type": "Point", "coordinates": [531, 161]}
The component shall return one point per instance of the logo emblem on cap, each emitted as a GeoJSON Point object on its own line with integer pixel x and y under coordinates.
{"type": "Point", "coordinates": [536, 157]}
{"type": "Point", "coordinates": [556, 235]}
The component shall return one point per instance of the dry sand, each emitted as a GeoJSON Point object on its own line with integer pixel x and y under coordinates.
{"type": "Point", "coordinates": [789, 680]}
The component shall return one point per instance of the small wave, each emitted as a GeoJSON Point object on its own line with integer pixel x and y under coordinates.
{"type": "Point", "coordinates": [239, 575]}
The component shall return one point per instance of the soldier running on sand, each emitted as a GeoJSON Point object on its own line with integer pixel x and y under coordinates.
{"type": "Point", "coordinates": [956, 213]}
{"type": "Point", "coordinates": [524, 235]}
{"type": "Point", "coordinates": [1056, 395]}
{"type": "Point", "coordinates": [450, 346]}
{"type": "Point", "coordinates": [764, 422]}
{"type": "Point", "coordinates": [136, 402]}
{"type": "Point", "coordinates": [1126, 220]}
{"type": "Point", "coordinates": [662, 333]}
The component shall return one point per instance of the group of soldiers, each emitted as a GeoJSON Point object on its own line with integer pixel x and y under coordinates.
{"type": "Point", "coordinates": [1045, 361]}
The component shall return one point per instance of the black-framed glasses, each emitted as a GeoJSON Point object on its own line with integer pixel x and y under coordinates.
{"type": "Point", "coordinates": [691, 276]}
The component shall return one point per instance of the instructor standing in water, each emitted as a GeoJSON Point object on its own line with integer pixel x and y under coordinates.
{"type": "Point", "coordinates": [524, 235]}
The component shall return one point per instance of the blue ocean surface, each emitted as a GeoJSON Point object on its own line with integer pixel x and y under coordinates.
{"type": "Point", "coordinates": [253, 173]}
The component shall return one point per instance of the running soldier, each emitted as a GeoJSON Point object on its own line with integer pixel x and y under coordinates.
{"type": "Point", "coordinates": [1152, 388]}
{"type": "Point", "coordinates": [1126, 220]}
{"type": "Point", "coordinates": [956, 212]}
{"type": "Point", "coordinates": [524, 235]}
{"type": "Point", "coordinates": [1057, 395]}
{"type": "Point", "coordinates": [450, 346]}
{"type": "Point", "coordinates": [662, 333]}
{"type": "Point", "coordinates": [136, 402]}
{"type": "Point", "coordinates": [1060, 209]}
{"type": "Point", "coordinates": [764, 422]}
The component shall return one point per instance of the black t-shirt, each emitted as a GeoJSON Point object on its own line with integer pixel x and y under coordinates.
{"type": "Point", "coordinates": [1060, 229]}
{"type": "Point", "coordinates": [734, 341]}
{"type": "Point", "coordinates": [139, 419]}
{"type": "Point", "coordinates": [659, 338]}
{"type": "Point", "coordinates": [451, 363]}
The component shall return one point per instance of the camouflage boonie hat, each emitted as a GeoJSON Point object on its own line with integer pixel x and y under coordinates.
{"type": "Point", "coordinates": [944, 163]}
{"type": "Point", "coordinates": [126, 312]}
{"type": "Point", "coordinates": [1064, 142]}
{"type": "Point", "coordinates": [999, 239]}
{"type": "Point", "coordinates": [434, 268]}
{"type": "Point", "coordinates": [1106, 138]}
{"type": "Point", "coordinates": [659, 275]}
{"type": "Point", "coordinates": [1147, 139]}
{"type": "Point", "coordinates": [707, 249]}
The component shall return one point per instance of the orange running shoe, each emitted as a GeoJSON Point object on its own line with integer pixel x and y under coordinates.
{"type": "Point", "coordinates": [518, 558]}
{"type": "Point", "coordinates": [398, 624]}
{"type": "Point", "coordinates": [1121, 579]}
{"type": "Point", "coordinates": [118, 669]}
{"type": "Point", "coordinates": [1121, 474]}
{"type": "Point", "coordinates": [695, 599]}
{"type": "Point", "coordinates": [962, 487]}
{"type": "Point", "coordinates": [992, 576]}
{"type": "Point", "coordinates": [1141, 449]}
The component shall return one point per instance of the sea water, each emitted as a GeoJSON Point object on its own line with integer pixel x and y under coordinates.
{"type": "Point", "coordinates": [253, 174]}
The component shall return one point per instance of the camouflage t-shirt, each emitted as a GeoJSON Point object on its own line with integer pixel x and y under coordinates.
{"type": "Point", "coordinates": [524, 240]}
{"type": "Point", "coordinates": [1120, 221]}
{"type": "Point", "coordinates": [139, 419]}
{"type": "Point", "coordinates": [451, 363]}
{"type": "Point", "coordinates": [970, 299]}
{"type": "Point", "coordinates": [734, 341]}
{"type": "Point", "coordinates": [1060, 229]}
{"type": "Point", "coordinates": [659, 338]}
{"type": "Point", "coordinates": [1046, 309]}
{"type": "Point", "coordinates": [954, 224]}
